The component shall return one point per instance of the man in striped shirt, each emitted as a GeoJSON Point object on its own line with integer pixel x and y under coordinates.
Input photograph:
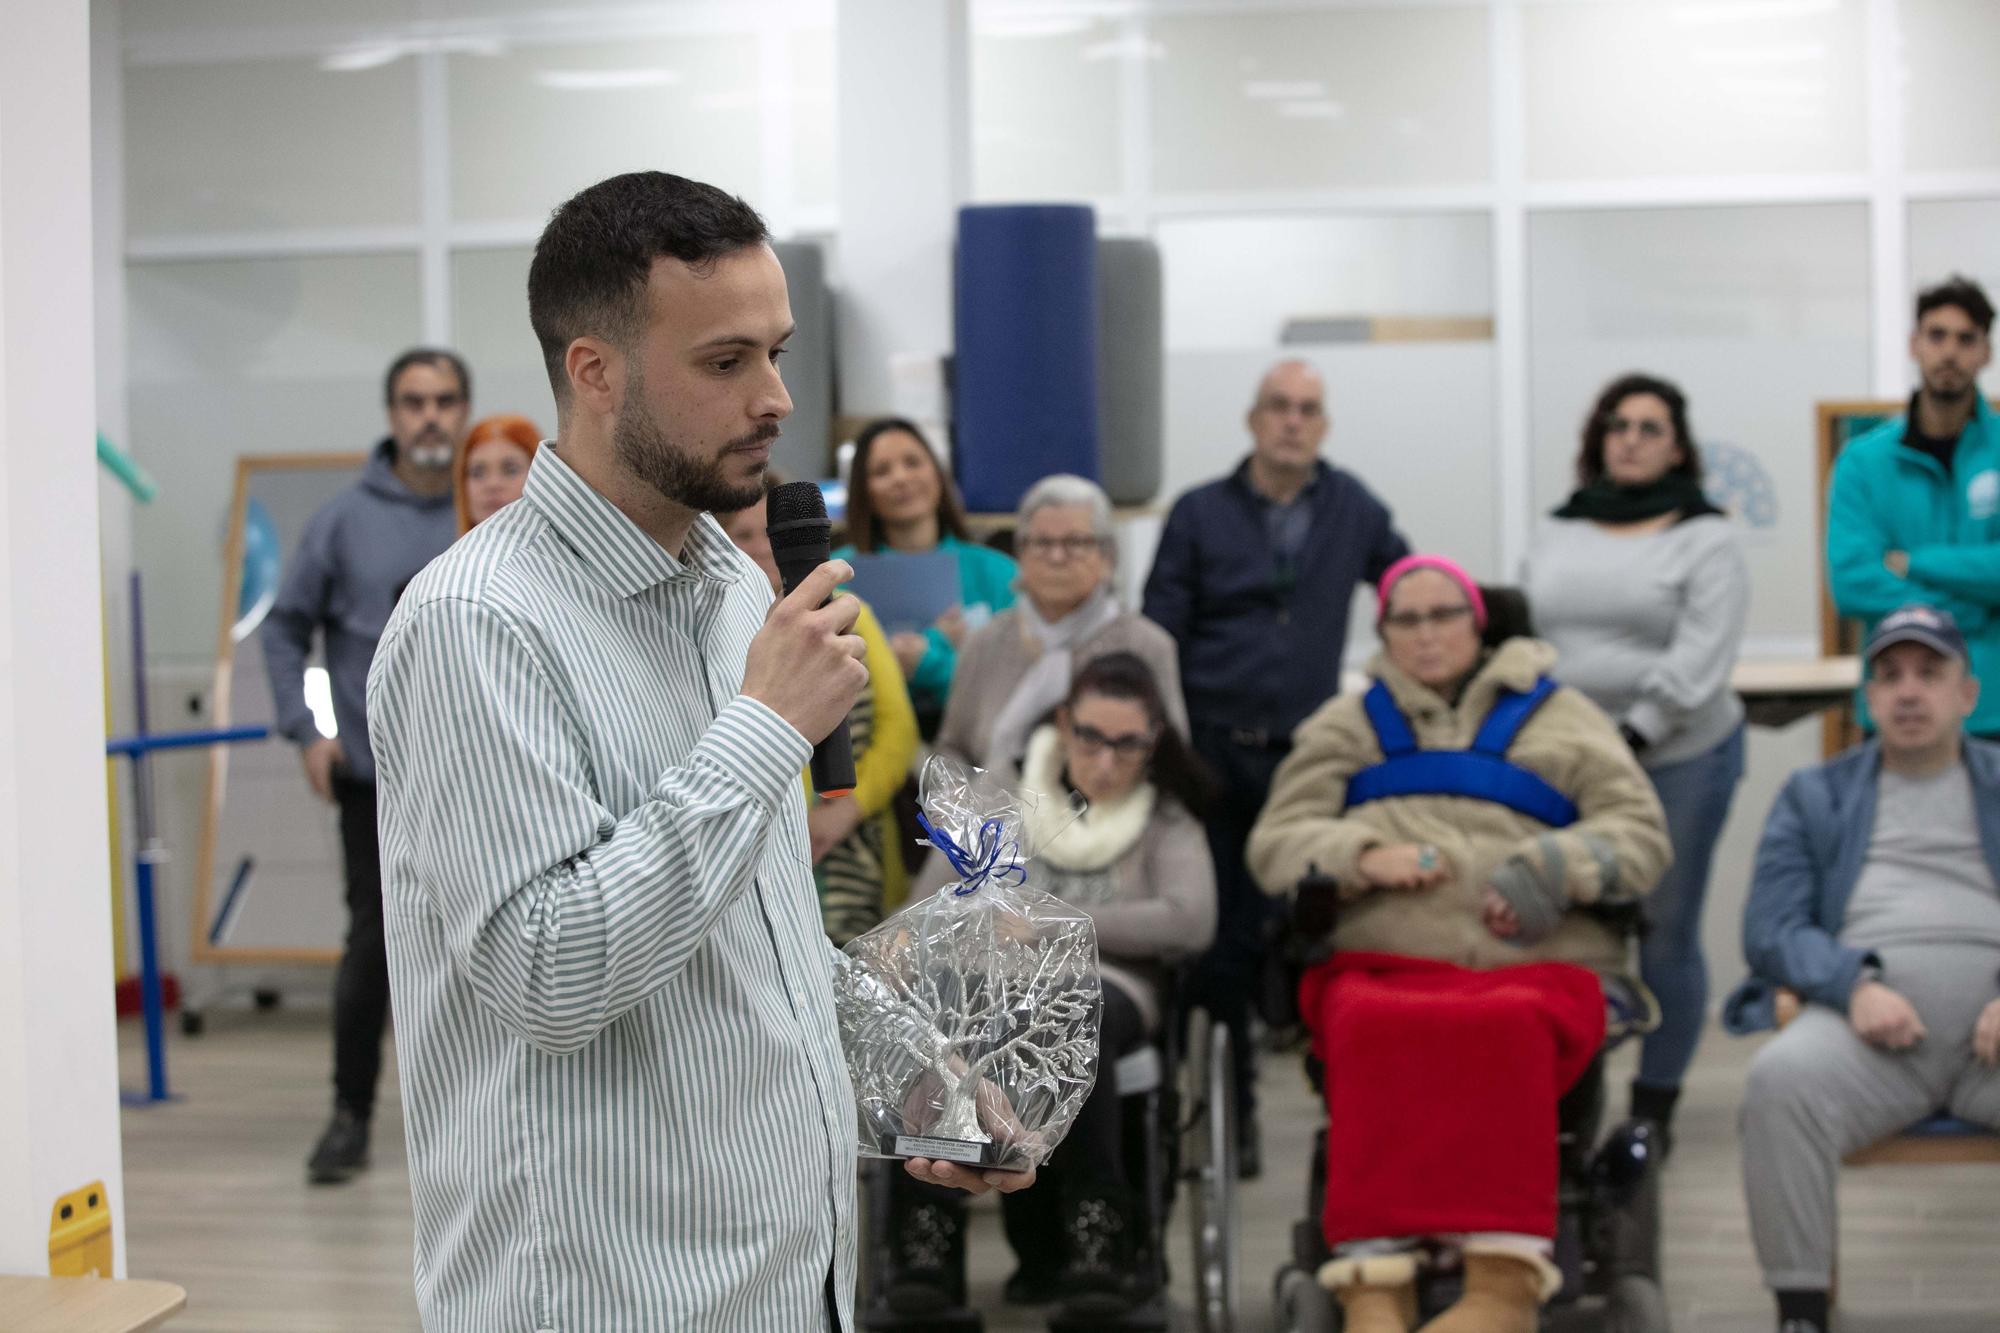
{"type": "Point", "coordinates": [625, 1097]}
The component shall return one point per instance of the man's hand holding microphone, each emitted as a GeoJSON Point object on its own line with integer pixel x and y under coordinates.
{"type": "Point", "coordinates": [805, 664]}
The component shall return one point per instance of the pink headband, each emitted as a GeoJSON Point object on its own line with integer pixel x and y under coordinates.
{"type": "Point", "coordinates": [1410, 564]}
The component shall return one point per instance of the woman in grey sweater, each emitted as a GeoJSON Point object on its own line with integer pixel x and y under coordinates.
{"type": "Point", "coordinates": [1640, 585]}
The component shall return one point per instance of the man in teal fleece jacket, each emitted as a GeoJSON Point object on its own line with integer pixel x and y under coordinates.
{"type": "Point", "coordinates": [1914, 512]}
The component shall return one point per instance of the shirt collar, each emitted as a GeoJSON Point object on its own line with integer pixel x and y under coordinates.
{"type": "Point", "coordinates": [614, 548]}
{"type": "Point", "coordinates": [1321, 469]}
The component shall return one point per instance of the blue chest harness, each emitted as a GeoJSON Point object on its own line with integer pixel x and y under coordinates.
{"type": "Point", "coordinates": [1483, 773]}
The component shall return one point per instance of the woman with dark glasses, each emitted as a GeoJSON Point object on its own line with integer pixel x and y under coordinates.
{"type": "Point", "coordinates": [1137, 861]}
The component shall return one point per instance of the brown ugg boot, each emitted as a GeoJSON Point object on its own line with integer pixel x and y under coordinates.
{"type": "Point", "coordinates": [1378, 1309]}
{"type": "Point", "coordinates": [1503, 1294]}
{"type": "Point", "coordinates": [1377, 1294]}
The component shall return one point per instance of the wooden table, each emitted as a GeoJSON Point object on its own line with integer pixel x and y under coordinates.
{"type": "Point", "coordinates": [1777, 692]}
{"type": "Point", "coordinates": [85, 1304]}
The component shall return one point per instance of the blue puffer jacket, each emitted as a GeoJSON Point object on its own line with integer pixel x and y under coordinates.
{"type": "Point", "coordinates": [1815, 844]}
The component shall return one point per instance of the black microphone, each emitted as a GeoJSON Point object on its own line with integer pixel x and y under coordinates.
{"type": "Point", "coordinates": [801, 541]}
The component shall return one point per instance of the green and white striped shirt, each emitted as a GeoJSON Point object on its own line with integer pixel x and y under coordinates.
{"type": "Point", "coordinates": [626, 1102]}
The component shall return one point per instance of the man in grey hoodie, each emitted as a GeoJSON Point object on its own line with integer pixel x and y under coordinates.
{"type": "Point", "coordinates": [352, 563]}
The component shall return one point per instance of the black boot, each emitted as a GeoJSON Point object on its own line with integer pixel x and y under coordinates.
{"type": "Point", "coordinates": [927, 1256]}
{"type": "Point", "coordinates": [1097, 1279]}
{"type": "Point", "coordinates": [342, 1149]}
{"type": "Point", "coordinates": [1655, 1105]}
{"type": "Point", "coordinates": [1029, 1286]}
{"type": "Point", "coordinates": [1249, 1149]}
{"type": "Point", "coordinates": [1804, 1312]}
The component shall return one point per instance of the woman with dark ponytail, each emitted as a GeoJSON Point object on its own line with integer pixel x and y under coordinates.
{"type": "Point", "coordinates": [1137, 861]}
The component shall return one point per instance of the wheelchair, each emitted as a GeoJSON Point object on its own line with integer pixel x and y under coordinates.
{"type": "Point", "coordinates": [1607, 1242]}
{"type": "Point", "coordinates": [1180, 1133]}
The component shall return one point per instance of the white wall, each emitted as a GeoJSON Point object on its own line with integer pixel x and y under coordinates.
{"type": "Point", "coordinates": [58, 1059]}
{"type": "Point", "coordinates": [903, 174]}
{"type": "Point", "coordinates": [115, 502]}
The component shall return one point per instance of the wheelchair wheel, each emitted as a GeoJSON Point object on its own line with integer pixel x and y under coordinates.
{"type": "Point", "coordinates": [1629, 1235]}
{"type": "Point", "coordinates": [1636, 1305]}
{"type": "Point", "coordinates": [1302, 1305]}
{"type": "Point", "coordinates": [1209, 1151]}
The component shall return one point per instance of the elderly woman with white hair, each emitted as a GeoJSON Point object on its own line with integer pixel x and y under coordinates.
{"type": "Point", "coordinates": [1015, 669]}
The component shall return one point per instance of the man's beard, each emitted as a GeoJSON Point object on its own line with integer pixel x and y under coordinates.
{"type": "Point", "coordinates": [430, 450]}
{"type": "Point", "coordinates": [1949, 393]}
{"type": "Point", "coordinates": [691, 482]}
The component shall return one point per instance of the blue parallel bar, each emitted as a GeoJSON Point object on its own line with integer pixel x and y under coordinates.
{"type": "Point", "coordinates": [149, 988]}
{"type": "Point", "coordinates": [182, 740]}
{"type": "Point", "coordinates": [236, 886]}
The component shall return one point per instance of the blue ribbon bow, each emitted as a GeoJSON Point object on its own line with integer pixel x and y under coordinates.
{"type": "Point", "coordinates": [984, 862]}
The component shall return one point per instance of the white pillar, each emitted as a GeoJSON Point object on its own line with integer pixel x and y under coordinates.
{"type": "Point", "coordinates": [115, 503]}
{"type": "Point", "coordinates": [58, 1043]}
{"type": "Point", "coordinates": [1515, 493]}
{"type": "Point", "coordinates": [1888, 205]}
{"type": "Point", "coordinates": [905, 167]}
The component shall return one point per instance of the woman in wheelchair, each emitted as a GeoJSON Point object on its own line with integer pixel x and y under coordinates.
{"type": "Point", "coordinates": [1137, 861]}
{"type": "Point", "coordinates": [1475, 819]}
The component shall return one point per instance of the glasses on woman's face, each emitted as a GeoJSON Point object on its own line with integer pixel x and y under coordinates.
{"type": "Point", "coordinates": [1409, 622]}
{"type": "Point", "coordinates": [1647, 429]}
{"type": "Point", "coordinates": [1129, 747]}
{"type": "Point", "coordinates": [1075, 546]}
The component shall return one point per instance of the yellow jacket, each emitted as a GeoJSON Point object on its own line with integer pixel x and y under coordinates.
{"type": "Point", "coordinates": [885, 765]}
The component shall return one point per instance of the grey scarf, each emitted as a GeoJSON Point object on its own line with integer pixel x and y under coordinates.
{"type": "Point", "coordinates": [1047, 681]}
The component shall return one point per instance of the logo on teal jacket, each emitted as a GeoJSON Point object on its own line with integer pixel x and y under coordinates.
{"type": "Point", "coordinates": [1982, 495]}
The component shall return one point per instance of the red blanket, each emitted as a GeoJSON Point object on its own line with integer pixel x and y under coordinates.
{"type": "Point", "coordinates": [1441, 1090]}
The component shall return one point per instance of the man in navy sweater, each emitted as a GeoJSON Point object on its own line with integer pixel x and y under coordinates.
{"type": "Point", "coordinates": [1254, 577]}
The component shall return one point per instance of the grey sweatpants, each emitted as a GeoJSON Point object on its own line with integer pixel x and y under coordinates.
{"type": "Point", "coordinates": [1818, 1092]}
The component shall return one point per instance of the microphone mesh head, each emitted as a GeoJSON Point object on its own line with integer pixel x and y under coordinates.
{"type": "Point", "coordinates": [793, 502]}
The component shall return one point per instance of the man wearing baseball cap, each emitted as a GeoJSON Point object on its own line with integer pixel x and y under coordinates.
{"type": "Point", "coordinates": [1876, 903]}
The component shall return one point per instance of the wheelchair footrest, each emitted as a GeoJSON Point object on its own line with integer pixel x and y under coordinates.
{"type": "Point", "coordinates": [1152, 1315]}
{"type": "Point", "coordinates": [958, 1320]}
{"type": "Point", "coordinates": [1308, 1246]}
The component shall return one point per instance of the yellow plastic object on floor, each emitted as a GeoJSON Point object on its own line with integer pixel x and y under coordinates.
{"type": "Point", "coordinates": [80, 1233]}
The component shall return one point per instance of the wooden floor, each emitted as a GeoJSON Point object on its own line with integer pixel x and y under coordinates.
{"type": "Point", "coordinates": [216, 1201]}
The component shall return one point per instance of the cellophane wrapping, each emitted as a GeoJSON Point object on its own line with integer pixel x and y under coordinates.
{"type": "Point", "coordinates": [970, 1017]}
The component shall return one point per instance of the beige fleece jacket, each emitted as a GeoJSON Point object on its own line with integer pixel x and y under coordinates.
{"type": "Point", "coordinates": [1615, 851]}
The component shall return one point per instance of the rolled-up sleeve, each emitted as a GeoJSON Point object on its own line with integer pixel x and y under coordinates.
{"type": "Point", "coordinates": [561, 916]}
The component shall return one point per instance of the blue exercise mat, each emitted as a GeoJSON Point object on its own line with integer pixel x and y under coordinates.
{"type": "Point", "coordinates": [1024, 374]}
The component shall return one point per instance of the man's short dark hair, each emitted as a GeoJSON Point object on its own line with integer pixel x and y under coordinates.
{"type": "Point", "coordinates": [1961, 291]}
{"type": "Point", "coordinates": [426, 356]}
{"type": "Point", "coordinates": [589, 275]}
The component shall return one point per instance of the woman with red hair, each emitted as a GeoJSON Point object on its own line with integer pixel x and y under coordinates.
{"type": "Point", "coordinates": [492, 467]}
